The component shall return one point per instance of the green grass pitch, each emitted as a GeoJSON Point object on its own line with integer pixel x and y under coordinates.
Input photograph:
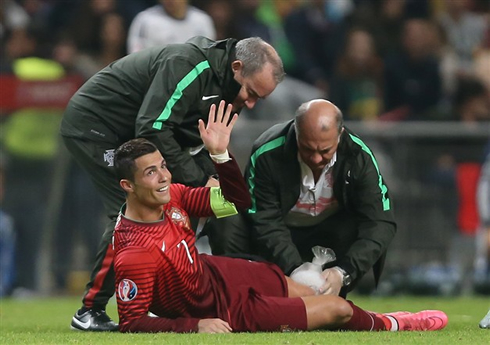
{"type": "Point", "coordinates": [46, 321]}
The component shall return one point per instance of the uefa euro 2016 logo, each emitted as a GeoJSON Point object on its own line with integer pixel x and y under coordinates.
{"type": "Point", "coordinates": [127, 290]}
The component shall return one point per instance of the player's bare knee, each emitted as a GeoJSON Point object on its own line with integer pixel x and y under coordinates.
{"type": "Point", "coordinates": [344, 312]}
{"type": "Point", "coordinates": [332, 311]}
{"type": "Point", "coordinates": [338, 315]}
{"type": "Point", "coordinates": [339, 311]}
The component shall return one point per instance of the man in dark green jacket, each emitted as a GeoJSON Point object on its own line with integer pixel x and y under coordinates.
{"type": "Point", "coordinates": [313, 182]}
{"type": "Point", "coordinates": [158, 94]}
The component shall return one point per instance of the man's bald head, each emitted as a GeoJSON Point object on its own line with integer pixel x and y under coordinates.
{"type": "Point", "coordinates": [318, 127]}
{"type": "Point", "coordinates": [318, 115]}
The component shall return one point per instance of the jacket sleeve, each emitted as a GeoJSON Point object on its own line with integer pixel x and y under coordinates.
{"type": "Point", "coordinates": [169, 102]}
{"type": "Point", "coordinates": [135, 269]}
{"type": "Point", "coordinates": [373, 208]}
{"type": "Point", "coordinates": [271, 233]}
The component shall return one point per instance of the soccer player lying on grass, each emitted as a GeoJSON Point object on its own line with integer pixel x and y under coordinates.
{"type": "Point", "coordinates": [158, 269]}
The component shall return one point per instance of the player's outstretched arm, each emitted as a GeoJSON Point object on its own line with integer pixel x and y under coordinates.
{"type": "Point", "coordinates": [216, 134]}
{"type": "Point", "coordinates": [216, 137]}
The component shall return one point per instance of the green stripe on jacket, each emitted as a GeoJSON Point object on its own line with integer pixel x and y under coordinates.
{"type": "Point", "coordinates": [181, 86]}
{"type": "Point", "coordinates": [382, 186]}
{"type": "Point", "coordinates": [253, 159]}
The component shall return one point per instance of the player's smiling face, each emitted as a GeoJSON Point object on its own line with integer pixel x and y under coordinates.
{"type": "Point", "coordinates": [152, 180]}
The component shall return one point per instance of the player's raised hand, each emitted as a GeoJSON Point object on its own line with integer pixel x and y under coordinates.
{"type": "Point", "coordinates": [213, 326]}
{"type": "Point", "coordinates": [216, 134]}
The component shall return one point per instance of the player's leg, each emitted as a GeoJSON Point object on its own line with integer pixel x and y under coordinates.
{"type": "Point", "coordinates": [97, 160]}
{"type": "Point", "coordinates": [100, 288]}
{"type": "Point", "coordinates": [333, 312]}
{"type": "Point", "coordinates": [256, 312]}
{"type": "Point", "coordinates": [326, 311]}
{"type": "Point", "coordinates": [264, 302]}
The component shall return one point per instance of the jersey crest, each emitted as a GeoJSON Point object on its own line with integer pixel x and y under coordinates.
{"type": "Point", "coordinates": [175, 214]}
{"type": "Point", "coordinates": [127, 290]}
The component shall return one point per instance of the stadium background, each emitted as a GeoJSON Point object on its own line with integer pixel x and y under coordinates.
{"type": "Point", "coordinates": [431, 155]}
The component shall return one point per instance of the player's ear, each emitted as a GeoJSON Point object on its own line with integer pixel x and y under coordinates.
{"type": "Point", "coordinates": [126, 185]}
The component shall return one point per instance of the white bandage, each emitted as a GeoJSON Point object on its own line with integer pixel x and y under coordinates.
{"type": "Point", "coordinates": [221, 158]}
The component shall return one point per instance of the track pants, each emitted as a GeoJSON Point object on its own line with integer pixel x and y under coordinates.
{"type": "Point", "coordinates": [97, 160]}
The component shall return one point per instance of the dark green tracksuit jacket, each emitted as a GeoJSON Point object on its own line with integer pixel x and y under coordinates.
{"type": "Point", "coordinates": [273, 175]}
{"type": "Point", "coordinates": [158, 93]}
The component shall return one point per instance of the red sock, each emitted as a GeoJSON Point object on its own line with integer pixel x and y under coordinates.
{"type": "Point", "coordinates": [362, 320]}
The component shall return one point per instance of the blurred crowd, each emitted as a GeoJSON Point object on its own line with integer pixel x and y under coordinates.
{"type": "Point", "coordinates": [378, 60]}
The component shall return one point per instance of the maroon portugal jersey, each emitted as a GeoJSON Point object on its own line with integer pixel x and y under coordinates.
{"type": "Point", "coordinates": [158, 269]}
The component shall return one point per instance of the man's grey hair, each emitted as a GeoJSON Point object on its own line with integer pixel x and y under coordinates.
{"type": "Point", "coordinates": [303, 108]}
{"type": "Point", "coordinates": [254, 53]}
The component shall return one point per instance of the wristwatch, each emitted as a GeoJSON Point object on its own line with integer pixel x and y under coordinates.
{"type": "Point", "coordinates": [346, 278]}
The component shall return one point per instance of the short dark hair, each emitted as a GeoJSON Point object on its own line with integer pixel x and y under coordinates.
{"type": "Point", "coordinates": [254, 53]}
{"type": "Point", "coordinates": [127, 153]}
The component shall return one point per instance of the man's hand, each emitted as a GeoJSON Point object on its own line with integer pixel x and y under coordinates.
{"type": "Point", "coordinates": [213, 326]}
{"type": "Point", "coordinates": [216, 134]}
{"type": "Point", "coordinates": [333, 282]}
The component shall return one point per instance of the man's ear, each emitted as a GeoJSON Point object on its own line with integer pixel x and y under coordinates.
{"type": "Point", "coordinates": [126, 185]}
{"type": "Point", "coordinates": [236, 66]}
